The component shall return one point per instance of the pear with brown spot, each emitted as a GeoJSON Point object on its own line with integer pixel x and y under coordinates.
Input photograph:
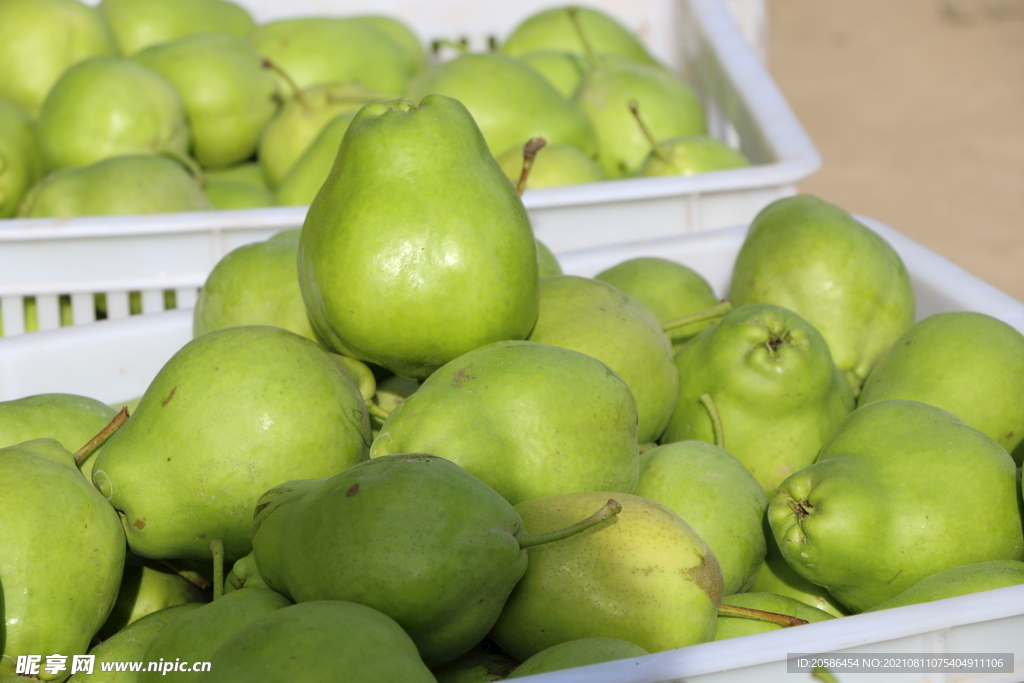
{"type": "Point", "coordinates": [644, 576]}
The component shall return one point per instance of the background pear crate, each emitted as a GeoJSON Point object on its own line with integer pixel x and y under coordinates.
{"type": "Point", "coordinates": [115, 361]}
{"type": "Point", "coordinates": [80, 258]}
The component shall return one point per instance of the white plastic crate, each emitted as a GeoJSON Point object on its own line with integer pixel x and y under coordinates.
{"type": "Point", "coordinates": [82, 257]}
{"type": "Point", "coordinates": [114, 361]}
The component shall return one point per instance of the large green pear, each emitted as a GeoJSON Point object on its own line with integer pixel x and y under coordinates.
{"type": "Point", "coordinates": [815, 259]}
{"type": "Point", "coordinates": [643, 576]}
{"type": "Point", "coordinates": [70, 419]}
{"type": "Point", "coordinates": [255, 284]}
{"type": "Point", "coordinates": [307, 174]}
{"type": "Point", "coordinates": [554, 29]}
{"type": "Point", "coordinates": [774, 391]}
{"type": "Point", "coordinates": [123, 185]}
{"type": "Point", "coordinates": [106, 107]}
{"type": "Point", "coordinates": [671, 109]}
{"type": "Point", "coordinates": [39, 40]}
{"type": "Point", "coordinates": [300, 122]}
{"type": "Point", "coordinates": [597, 319]}
{"type": "Point", "coordinates": [21, 163]}
{"type": "Point", "coordinates": [510, 101]}
{"type": "Point", "coordinates": [122, 650]}
{"type": "Point", "coordinates": [231, 414]}
{"type": "Point", "coordinates": [323, 50]}
{"type": "Point", "coordinates": [137, 24]}
{"type": "Point", "coordinates": [195, 635]}
{"type": "Point", "coordinates": [63, 551]}
{"type": "Point", "coordinates": [717, 496]}
{"type": "Point", "coordinates": [735, 626]}
{"type": "Point", "coordinates": [894, 498]}
{"type": "Point", "coordinates": [229, 97]}
{"type": "Point", "coordinates": [964, 580]}
{"type": "Point", "coordinates": [580, 652]}
{"type": "Point", "coordinates": [319, 642]}
{"type": "Point", "coordinates": [412, 535]}
{"type": "Point", "coordinates": [970, 364]}
{"type": "Point", "coordinates": [448, 263]}
{"type": "Point", "coordinates": [527, 419]}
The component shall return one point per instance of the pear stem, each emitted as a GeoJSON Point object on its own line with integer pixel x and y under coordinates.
{"type": "Point", "coordinates": [644, 447]}
{"type": "Point", "coordinates": [462, 46]}
{"type": "Point", "coordinates": [190, 164]}
{"type": "Point", "coordinates": [574, 17]}
{"type": "Point", "coordinates": [376, 411]}
{"type": "Point", "coordinates": [610, 509]}
{"type": "Point", "coordinates": [716, 419]}
{"type": "Point", "coordinates": [673, 327]}
{"type": "Point", "coordinates": [783, 620]}
{"type": "Point", "coordinates": [530, 150]}
{"type": "Point", "coordinates": [190, 575]}
{"type": "Point", "coordinates": [296, 90]}
{"type": "Point", "coordinates": [824, 675]}
{"type": "Point", "coordinates": [659, 151]}
{"type": "Point", "coordinates": [217, 548]}
{"type": "Point", "coordinates": [97, 441]}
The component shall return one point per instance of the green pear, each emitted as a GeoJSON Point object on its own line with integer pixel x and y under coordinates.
{"type": "Point", "coordinates": [697, 481]}
{"type": "Point", "coordinates": [63, 554]}
{"type": "Point", "coordinates": [476, 667]}
{"type": "Point", "coordinates": [689, 155]}
{"type": "Point", "coordinates": [510, 101]}
{"type": "Point", "coordinates": [229, 97]}
{"type": "Point", "coordinates": [255, 284]}
{"type": "Point", "coordinates": [106, 107]}
{"type": "Point", "coordinates": [735, 626]}
{"type": "Point", "coordinates": [573, 427]}
{"type": "Point", "coordinates": [21, 163]}
{"type": "Point", "coordinates": [40, 40]}
{"type": "Point", "coordinates": [141, 23]}
{"type": "Point", "coordinates": [643, 576]}
{"type": "Point", "coordinates": [302, 120]}
{"type": "Point", "coordinates": [775, 394]}
{"type": "Point", "coordinates": [195, 635]}
{"type": "Point", "coordinates": [671, 109]}
{"type": "Point", "coordinates": [964, 580]}
{"type": "Point", "coordinates": [547, 262]}
{"type": "Point", "coordinates": [211, 435]}
{"type": "Point", "coordinates": [227, 193]}
{"type": "Point", "coordinates": [564, 70]}
{"type": "Point", "coordinates": [554, 29]}
{"type": "Point", "coordinates": [447, 264]}
{"type": "Point", "coordinates": [815, 259]}
{"type": "Point", "coordinates": [412, 535]}
{"type": "Point", "coordinates": [244, 573]}
{"type": "Point", "coordinates": [776, 576]}
{"type": "Point", "coordinates": [316, 642]}
{"type": "Point", "coordinates": [124, 185]}
{"type": "Point", "coordinates": [323, 50]}
{"type": "Point", "coordinates": [969, 364]}
{"type": "Point", "coordinates": [892, 499]}
{"type": "Point", "coordinates": [128, 646]}
{"type": "Point", "coordinates": [580, 652]}
{"type": "Point", "coordinates": [402, 34]}
{"type": "Point", "coordinates": [553, 166]}
{"type": "Point", "coordinates": [307, 174]}
{"type": "Point", "coordinates": [148, 586]}
{"type": "Point", "coordinates": [597, 319]}
{"type": "Point", "coordinates": [70, 419]}
{"type": "Point", "coordinates": [670, 289]}
{"type": "Point", "coordinates": [247, 172]}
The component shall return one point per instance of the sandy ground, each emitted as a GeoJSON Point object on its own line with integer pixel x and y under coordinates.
{"type": "Point", "coordinates": [917, 108]}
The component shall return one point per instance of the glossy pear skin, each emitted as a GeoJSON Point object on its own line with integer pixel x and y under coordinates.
{"type": "Point", "coordinates": [815, 259]}
{"type": "Point", "coordinates": [774, 384]}
{"type": "Point", "coordinates": [875, 482]}
{"type": "Point", "coordinates": [447, 264]}
{"type": "Point", "coordinates": [211, 435]}
{"type": "Point", "coordinates": [573, 427]}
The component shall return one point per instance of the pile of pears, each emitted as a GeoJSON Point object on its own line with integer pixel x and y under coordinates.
{"type": "Point", "coordinates": [149, 106]}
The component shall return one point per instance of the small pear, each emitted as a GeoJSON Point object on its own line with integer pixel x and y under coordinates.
{"type": "Point", "coordinates": [148, 586]}
{"type": "Point", "coordinates": [735, 626]}
{"type": "Point", "coordinates": [40, 40]}
{"type": "Point", "coordinates": [123, 185]}
{"type": "Point", "coordinates": [555, 29]}
{"type": "Point", "coordinates": [554, 166]}
{"type": "Point", "coordinates": [141, 23]}
{"type": "Point", "coordinates": [106, 107]}
{"type": "Point", "coordinates": [21, 164]}
{"type": "Point", "coordinates": [579, 652]}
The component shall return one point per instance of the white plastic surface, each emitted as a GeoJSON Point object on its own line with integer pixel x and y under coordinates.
{"type": "Point", "coordinates": [80, 257]}
{"type": "Point", "coordinates": [115, 360]}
